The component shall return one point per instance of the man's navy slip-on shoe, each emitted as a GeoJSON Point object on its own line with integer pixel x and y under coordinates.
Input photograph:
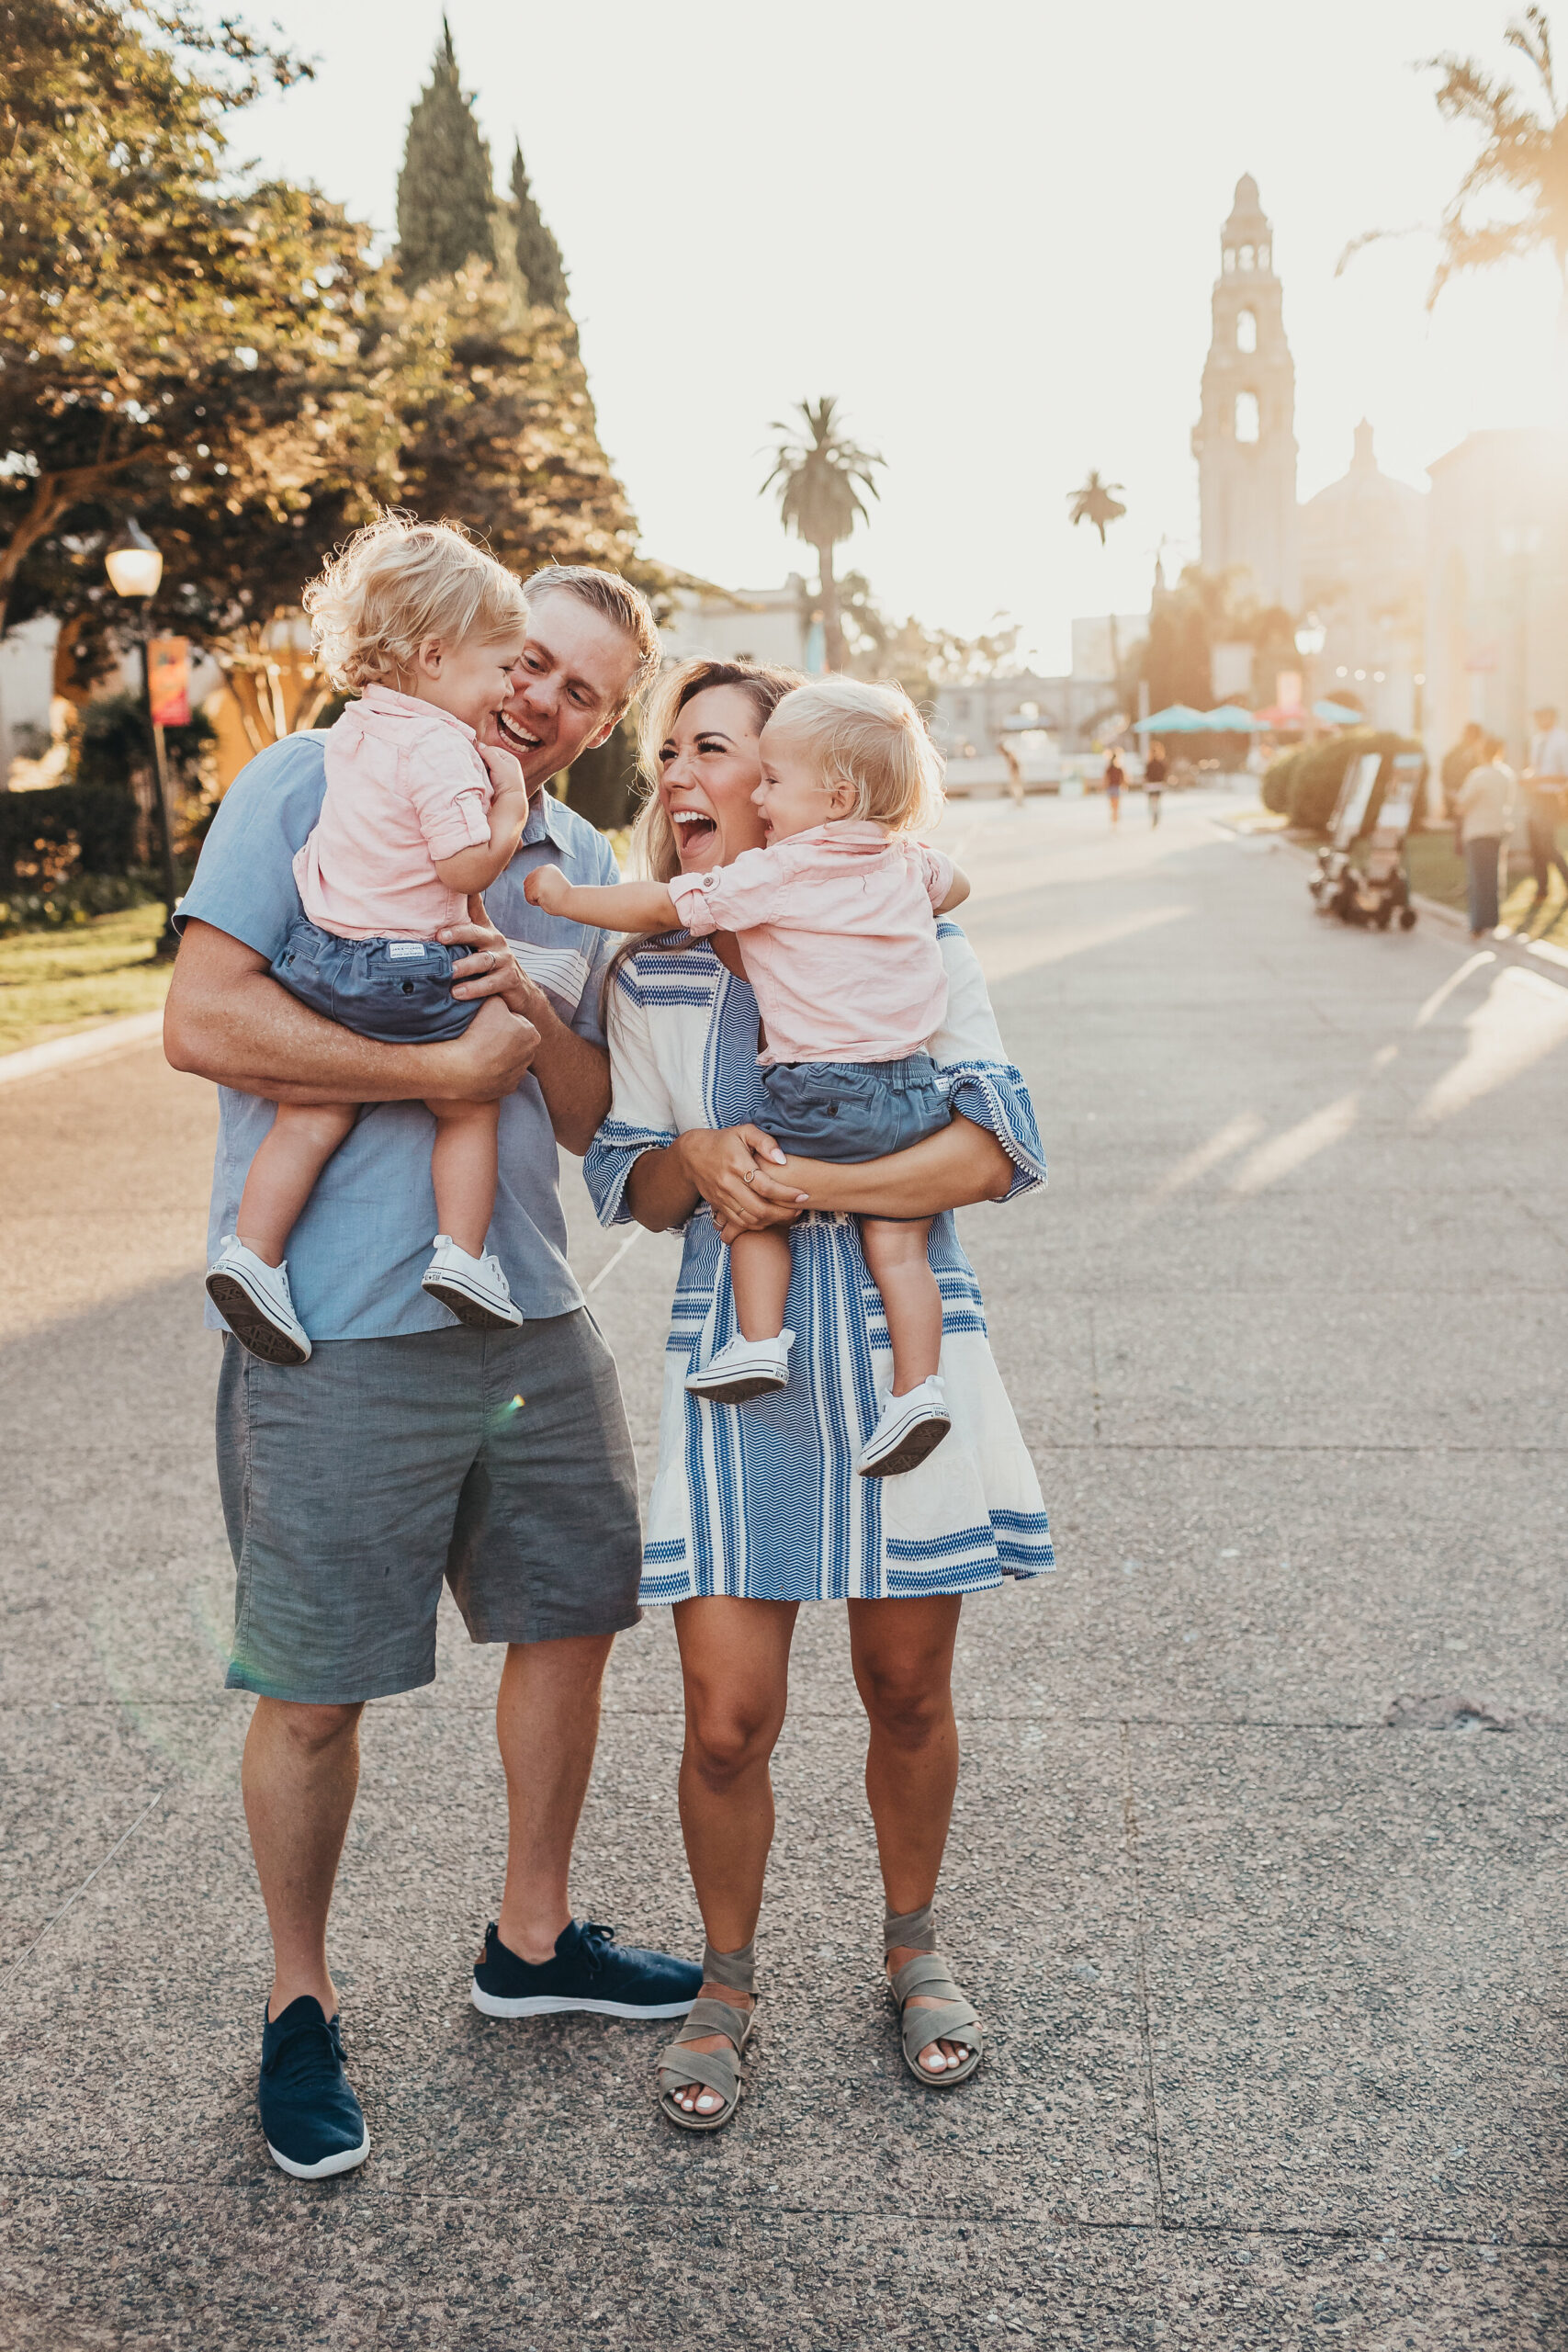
{"type": "Point", "coordinates": [313, 2123]}
{"type": "Point", "coordinates": [591, 1971]}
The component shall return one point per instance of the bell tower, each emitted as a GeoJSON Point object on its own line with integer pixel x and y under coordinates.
{"type": "Point", "coordinates": [1245, 440]}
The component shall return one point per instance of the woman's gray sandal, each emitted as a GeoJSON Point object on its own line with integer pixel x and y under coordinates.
{"type": "Point", "coordinates": [715, 2070]}
{"type": "Point", "coordinates": [952, 2019]}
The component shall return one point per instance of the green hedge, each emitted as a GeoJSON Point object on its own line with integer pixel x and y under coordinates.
{"type": "Point", "coordinates": [101, 817]}
{"type": "Point", "coordinates": [1303, 784]}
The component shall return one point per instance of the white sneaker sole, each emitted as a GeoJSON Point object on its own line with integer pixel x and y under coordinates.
{"type": "Point", "coordinates": [251, 1323]}
{"type": "Point", "coordinates": [469, 1306]}
{"type": "Point", "coordinates": [555, 2005]}
{"type": "Point", "coordinates": [347, 2160]}
{"type": "Point", "coordinates": [907, 1449]}
{"type": "Point", "coordinates": [736, 1387]}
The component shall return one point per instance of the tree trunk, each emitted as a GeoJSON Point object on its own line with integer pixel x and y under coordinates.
{"type": "Point", "coordinates": [833, 646]}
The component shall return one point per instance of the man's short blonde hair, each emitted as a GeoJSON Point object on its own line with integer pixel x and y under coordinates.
{"type": "Point", "coordinates": [398, 583]}
{"type": "Point", "coordinates": [872, 738]}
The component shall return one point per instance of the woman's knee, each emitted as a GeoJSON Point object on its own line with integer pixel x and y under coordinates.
{"type": "Point", "coordinates": [910, 1702]}
{"type": "Point", "coordinates": [725, 1741]}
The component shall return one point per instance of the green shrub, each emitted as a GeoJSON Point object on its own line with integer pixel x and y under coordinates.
{"type": "Point", "coordinates": [1277, 782]}
{"type": "Point", "coordinates": [38, 830]}
{"type": "Point", "coordinates": [1319, 771]}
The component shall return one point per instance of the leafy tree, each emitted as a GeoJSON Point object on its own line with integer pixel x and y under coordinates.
{"type": "Point", "coordinates": [159, 324]}
{"type": "Point", "coordinates": [1096, 503]}
{"type": "Point", "coordinates": [819, 475]}
{"type": "Point", "coordinates": [538, 255]}
{"type": "Point", "coordinates": [1523, 159]}
{"type": "Point", "coordinates": [446, 188]}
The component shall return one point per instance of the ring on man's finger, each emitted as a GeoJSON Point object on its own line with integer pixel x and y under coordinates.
{"type": "Point", "coordinates": [750, 1177]}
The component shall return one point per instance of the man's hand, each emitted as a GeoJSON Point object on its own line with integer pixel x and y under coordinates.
{"type": "Point", "coordinates": [490, 968]}
{"type": "Point", "coordinates": [547, 887]}
{"type": "Point", "coordinates": [572, 1074]}
{"type": "Point", "coordinates": [492, 1058]}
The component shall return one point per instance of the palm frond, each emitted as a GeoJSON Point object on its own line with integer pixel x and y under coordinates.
{"type": "Point", "coordinates": [1532, 38]}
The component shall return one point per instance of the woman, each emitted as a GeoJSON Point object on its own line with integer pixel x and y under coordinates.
{"type": "Point", "coordinates": [1115, 777]}
{"type": "Point", "coordinates": [1483, 812]}
{"type": "Point", "coordinates": [757, 1508]}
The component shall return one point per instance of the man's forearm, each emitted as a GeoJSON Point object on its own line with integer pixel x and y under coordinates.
{"type": "Point", "coordinates": [260, 1040]}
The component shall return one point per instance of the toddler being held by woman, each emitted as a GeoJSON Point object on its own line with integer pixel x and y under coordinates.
{"type": "Point", "coordinates": [836, 924]}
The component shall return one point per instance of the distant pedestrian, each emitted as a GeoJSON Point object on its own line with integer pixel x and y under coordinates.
{"type": "Point", "coordinates": [1115, 777]}
{"type": "Point", "coordinates": [1467, 754]}
{"type": "Point", "coordinates": [1157, 768]}
{"type": "Point", "coordinates": [1546, 780]}
{"type": "Point", "coordinates": [1483, 814]}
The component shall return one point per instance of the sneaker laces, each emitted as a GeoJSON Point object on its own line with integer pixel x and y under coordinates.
{"type": "Point", "coordinates": [324, 2028]}
{"type": "Point", "coordinates": [596, 1941]}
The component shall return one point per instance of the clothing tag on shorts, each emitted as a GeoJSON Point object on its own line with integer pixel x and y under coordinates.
{"type": "Point", "coordinates": [401, 947]}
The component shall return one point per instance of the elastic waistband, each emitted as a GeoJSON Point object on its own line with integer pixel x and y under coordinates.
{"type": "Point", "coordinates": [897, 1077]}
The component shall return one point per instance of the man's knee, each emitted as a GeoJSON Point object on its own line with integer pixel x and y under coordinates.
{"type": "Point", "coordinates": [309, 1730]}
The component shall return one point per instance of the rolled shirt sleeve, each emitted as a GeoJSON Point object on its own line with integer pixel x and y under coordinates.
{"type": "Point", "coordinates": [451, 792]}
{"type": "Point", "coordinates": [740, 897]}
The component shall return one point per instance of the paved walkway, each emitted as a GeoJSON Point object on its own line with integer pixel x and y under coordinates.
{"type": "Point", "coordinates": [1258, 1864]}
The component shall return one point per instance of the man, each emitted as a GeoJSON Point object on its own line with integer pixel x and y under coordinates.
{"type": "Point", "coordinates": [410, 1448]}
{"type": "Point", "coordinates": [1546, 780]}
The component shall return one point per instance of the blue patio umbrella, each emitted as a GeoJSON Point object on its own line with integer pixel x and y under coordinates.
{"type": "Point", "coordinates": [1179, 719]}
{"type": "Point", "coordinates": [1231, 719]}
{"type": "Point", "coordinates": [1338, 714]}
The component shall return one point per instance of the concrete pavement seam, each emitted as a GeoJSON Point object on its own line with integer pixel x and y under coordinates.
{"type": "Point", "coordinates": [1140, 1940]}
{"type": "Point", "coordinates": [22, 1958]}
{"type": "Point", "coordinates": [1327, 2231]}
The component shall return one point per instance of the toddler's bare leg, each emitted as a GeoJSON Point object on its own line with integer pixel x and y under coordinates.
{"type": "Point", "coordinates": [896, 1253]}
{"type": "Point", "coordinates": [283, 1174]}
{"type": "Point", "coordinates": [758, 1276]}
{"type": "Point", "coordinates": [462, 1167]}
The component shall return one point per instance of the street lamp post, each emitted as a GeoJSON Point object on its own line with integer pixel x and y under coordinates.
{"type": "Point", "coordinates": [1311, 639]}
{"type": "Point", "coordinates": [135, 566]}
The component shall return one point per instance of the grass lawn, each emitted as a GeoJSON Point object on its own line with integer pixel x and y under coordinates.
{"type": "Point", "coordinates": [1438, 872]}
{"type": "Point", "coordinates": [54, 981]}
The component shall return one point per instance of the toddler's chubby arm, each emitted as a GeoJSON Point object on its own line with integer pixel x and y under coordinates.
{"type": "Point", "coordinates": [471, 870]}
{"type": "Point", "coordinates": [958, 891]}
{"type": "Point", "coordinates": [607, 906]}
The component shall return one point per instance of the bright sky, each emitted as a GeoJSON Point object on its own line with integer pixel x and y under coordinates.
{"type": "Point", "coordinates": [991, 231]}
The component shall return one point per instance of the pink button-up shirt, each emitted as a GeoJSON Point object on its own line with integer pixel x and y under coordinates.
{"type": "Point", "coordinates": [837, 931]}
{"type": "Point", "coordinates": [405, 785]}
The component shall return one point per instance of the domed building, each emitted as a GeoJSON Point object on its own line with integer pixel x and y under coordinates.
{"type": "Point", "coordinates": [1363, 555]}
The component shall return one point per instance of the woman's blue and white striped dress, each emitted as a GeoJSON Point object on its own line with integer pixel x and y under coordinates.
{"type": "Point", "coordinates": [763, 1501]}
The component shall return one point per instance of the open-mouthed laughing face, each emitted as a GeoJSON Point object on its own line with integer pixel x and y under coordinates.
{"type": "Point", "coordinates": [709, 766]}
{"type": "Point", "coordinates": [568, 685]}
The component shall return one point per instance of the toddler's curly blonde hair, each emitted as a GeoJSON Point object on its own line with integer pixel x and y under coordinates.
{"type": "Point", "coordinates": [871, 737]}
{"type": "Point", "coordinates": [396, 584]}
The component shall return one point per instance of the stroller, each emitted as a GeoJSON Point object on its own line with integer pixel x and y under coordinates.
{"type": "Point", "coordinates": [1380, 891]}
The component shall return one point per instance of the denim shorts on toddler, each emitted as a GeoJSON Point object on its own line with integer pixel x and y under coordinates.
{"type": "Point", "coordinates": [848, 1111]}
{"type": "Point", "coordinates": [398, 991]}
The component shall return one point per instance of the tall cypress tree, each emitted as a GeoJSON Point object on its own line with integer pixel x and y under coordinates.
{"type": "Point", "coordinates": [538, 255]}
{"type": "Point", "coordinates": [445, 189]}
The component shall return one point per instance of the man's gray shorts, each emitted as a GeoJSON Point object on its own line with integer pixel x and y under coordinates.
{"type": "Point", "coordinates": [354, 1483]}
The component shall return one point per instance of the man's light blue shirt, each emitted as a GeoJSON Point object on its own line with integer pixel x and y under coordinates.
{"type": "Point", "coordinates": [356, 1255]}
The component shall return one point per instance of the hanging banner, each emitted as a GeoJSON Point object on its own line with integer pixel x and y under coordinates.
{"type": "Point", "coordinates": [168, 680]}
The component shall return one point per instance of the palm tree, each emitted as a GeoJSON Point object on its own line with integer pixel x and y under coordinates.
{"type": "Point", "coordinates": [1523, 157]}
{"type": "Point", "coordinates": [1096, 503]}
{"type": "Point", "coordinates": [821, 473]}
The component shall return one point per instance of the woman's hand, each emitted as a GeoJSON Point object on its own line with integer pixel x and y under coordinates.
{"type": "Point", "coordinates": [489, 967]}
{"type": "Point", "coordinates": [731, 1169]}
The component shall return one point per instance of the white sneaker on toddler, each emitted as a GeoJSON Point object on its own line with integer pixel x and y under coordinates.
{"type": "Point", "coordinates": [743, 1369]}
{"type": "Point", "coordinates": [474, 1289]}
{"type": "Point", "coordinates": [254, 1300]}
{"type": "Point", "coordinates": [911, 1427]}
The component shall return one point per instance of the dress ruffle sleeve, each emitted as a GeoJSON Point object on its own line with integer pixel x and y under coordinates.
{"type": "Point", "coordinates": [641, 1117]}
{"type": "Point", "coordinates": [983, 1085]}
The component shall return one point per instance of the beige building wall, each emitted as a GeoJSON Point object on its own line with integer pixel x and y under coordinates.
{"type": "Point", "coordinates": [1497, 585]}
